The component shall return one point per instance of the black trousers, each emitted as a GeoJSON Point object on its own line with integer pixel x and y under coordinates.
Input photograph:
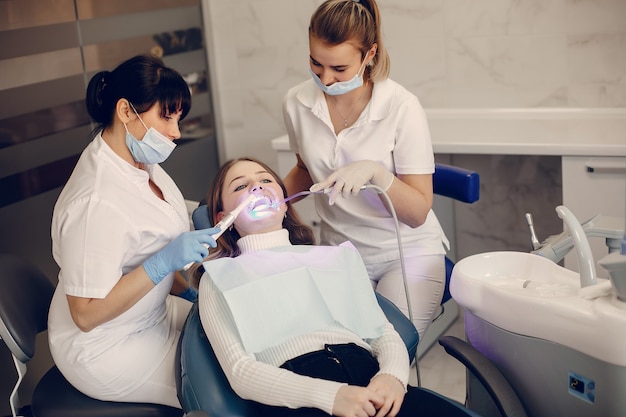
{"type": "Point", "coordinates": [354, 365]}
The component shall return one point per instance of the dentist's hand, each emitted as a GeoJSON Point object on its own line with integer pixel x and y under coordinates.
{"type": "Point", "coordinates": [349, 179]}
{"type": "Point", "coordinates": [186, 248]}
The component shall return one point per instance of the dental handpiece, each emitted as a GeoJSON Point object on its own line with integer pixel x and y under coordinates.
{"type": "Point", "coordinates": [227, 221]}
{"type": "Point", "coordinates": [277, 204]}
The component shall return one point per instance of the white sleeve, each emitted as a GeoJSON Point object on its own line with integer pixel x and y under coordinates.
{"type": "Point", "coordinates": [413, 150]}
{"type": "Point", "coordinates": [91, 242]}
{"type": "Point", "coordinates": [392, 355]}
{"type": "Point", "coordinates": [249, 378]}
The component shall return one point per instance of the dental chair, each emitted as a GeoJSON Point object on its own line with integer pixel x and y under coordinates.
{"type": "Point", "coordinates": [204, 390]}
{"type": "Point", "coordinates": [25, 297]}
{"type": "Point", "coordinates": [449, 181]}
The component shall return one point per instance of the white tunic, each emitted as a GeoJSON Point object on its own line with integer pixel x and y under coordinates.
{"type": "Point", "coordinates": [393, 130]}
{"type": "Point", "coordinates": [106, 222]}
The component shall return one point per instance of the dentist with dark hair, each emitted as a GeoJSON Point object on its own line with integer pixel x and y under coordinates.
{"type": "Point", "coordinates": [120, 232]}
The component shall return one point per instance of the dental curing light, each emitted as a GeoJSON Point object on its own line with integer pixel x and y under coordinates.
{"type": "Point", "coordinates": [228, 220]}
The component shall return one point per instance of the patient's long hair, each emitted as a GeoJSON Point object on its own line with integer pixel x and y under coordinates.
{"type": "Point", "coordinates": [299, 233]}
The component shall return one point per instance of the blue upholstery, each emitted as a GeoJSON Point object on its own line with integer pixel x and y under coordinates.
{"type": "Point", "coordinates": [204, 390]}
{"type": "Point", "coordinates": [456, 183]}
{"type": "Point", "coordinates": [202, 384]}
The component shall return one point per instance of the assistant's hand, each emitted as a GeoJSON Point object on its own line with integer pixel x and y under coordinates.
{"type": "Point", "coordinates": [354, 401]}
{"type": "Point", "coordinates": [392, 390]}
{"type": "Point", "coordinates": [186, 248]}
{"type": "Point", "coordinates": [349, 179]}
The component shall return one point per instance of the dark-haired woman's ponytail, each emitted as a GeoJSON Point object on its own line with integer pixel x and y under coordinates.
{"type": "Point", "coordinates": [96, 97]}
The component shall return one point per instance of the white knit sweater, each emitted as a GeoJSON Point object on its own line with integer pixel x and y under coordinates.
{"type": "Point", "coordinates": [258, 377]}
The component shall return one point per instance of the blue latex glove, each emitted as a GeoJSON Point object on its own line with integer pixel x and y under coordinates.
{"type": "Point", "coordinates": [200, 218]}
{"type": "Point", "coordinates": [186, 248]}
{"type": "Point", "coordinates": [189, 294]}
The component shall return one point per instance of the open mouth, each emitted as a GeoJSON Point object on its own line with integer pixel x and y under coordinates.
{"type": "Point", "coordinates": [261, 203]}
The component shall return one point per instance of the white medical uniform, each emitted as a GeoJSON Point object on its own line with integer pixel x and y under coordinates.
{"type": "Point", "coordinates": [393, 130]}
{"type": "Point", "coordinates": [106, 222]}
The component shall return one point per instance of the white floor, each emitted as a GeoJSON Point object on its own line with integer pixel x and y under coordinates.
{"type": "Point", "coordinates": [441, 372]}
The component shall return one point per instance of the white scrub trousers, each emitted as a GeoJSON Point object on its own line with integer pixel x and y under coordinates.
{"type": "Point", "coordinates": [426, 276]}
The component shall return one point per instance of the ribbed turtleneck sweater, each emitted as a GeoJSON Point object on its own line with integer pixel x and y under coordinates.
{"type": "Point", "coordinates": [258, 377]}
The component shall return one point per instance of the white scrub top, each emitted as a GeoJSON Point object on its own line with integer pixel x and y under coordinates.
{"type": "Point", "coordinates": [393, 130]}
{"type": "Point", "coordinates": [106, 222]}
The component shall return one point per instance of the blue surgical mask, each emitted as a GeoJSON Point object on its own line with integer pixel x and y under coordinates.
{"type": "Point", "coordinates": [154, 148]}
{"type": "Point", "coordinates": [340, 87]}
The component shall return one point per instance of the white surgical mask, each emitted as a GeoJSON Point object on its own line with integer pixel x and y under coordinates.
{"type": "Point", "coordinates": [154, 148]}
{"type": "Point", "coordinates": [340, 87]}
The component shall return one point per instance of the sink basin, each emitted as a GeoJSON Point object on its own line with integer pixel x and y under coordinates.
{"type": "Point", "coordinates": [530, 295]}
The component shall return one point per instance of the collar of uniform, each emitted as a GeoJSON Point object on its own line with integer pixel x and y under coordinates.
{"type": "Point", "coordinates": [379, 106]}
{"type": "Point", "coordinates": [137, 175]}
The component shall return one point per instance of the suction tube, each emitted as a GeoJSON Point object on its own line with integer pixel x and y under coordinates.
{"type": "Point", "coordinates": [228, 220]}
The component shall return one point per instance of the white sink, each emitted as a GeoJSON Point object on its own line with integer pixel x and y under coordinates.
{"type": "Point", "coordinates": [532, 296]}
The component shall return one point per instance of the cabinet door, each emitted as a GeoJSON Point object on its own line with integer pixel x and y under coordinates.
{"type": "Point", "coordinates": [594, 185]}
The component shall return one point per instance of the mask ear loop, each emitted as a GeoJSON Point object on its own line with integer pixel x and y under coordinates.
{"type": "Point", "coordinates": [139, 117]}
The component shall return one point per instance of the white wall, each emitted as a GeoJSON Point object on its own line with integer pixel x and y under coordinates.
{"type": "Point", "coordinates": [450, 53]}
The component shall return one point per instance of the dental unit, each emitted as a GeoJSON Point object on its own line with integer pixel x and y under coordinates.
{"type": "Point", "coordinates": [557, 335]}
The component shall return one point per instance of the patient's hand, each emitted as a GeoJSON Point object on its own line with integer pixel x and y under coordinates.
{"type": "Point", "coordinates": [354, 401]}
{"type": "Point", "coordinates": [392, 390]}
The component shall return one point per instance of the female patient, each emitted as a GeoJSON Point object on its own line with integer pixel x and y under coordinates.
{"type": "Point", "coordinates": [296, 327]}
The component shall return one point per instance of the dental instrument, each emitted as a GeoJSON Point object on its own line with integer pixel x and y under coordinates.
{"type": "Point", "coordinates": [533, 236]}
{"type": "Point", "coordinates": [555, 247]}
{"type": "Point", "coordinates": [229, 219]}
{"type": "Point", "coordinates": [277, 204]}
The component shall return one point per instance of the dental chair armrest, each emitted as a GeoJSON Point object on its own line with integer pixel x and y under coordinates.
{"type": "Point", "coordinates": [456, 183]}
{"type": "Point", "coordinates": [487, 373]}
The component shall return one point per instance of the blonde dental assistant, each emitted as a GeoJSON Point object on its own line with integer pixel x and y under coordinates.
{"type": "Point", "coordinates": [351, 125]}
{"type": "Point", "coordinates": [120, 231]}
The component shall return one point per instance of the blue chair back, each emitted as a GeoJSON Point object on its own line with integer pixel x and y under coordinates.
{"type": "Point", "coordinates": [458, 184]}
